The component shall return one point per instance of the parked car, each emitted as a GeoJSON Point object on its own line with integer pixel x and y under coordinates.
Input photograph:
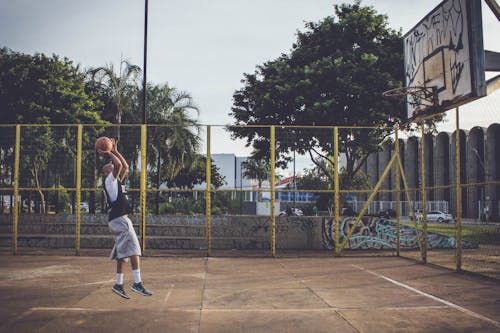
{"type": "Point", "coordinates": [294, 212]}
{"type": "Point", "coordinates": [387, 213]}
{"type": "Point", "coordinates": [438, 216]}
{"type": "Point", "coordinates": [348, 211]}
{"type": "Point", "coordinates": [84, 207]}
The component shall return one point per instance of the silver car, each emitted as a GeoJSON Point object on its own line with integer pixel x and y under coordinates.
{"type": "Point", "coordinates": [439, 216]}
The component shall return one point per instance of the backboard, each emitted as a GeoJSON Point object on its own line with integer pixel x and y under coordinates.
{"type": "Point", "coordinates": [444, 55]}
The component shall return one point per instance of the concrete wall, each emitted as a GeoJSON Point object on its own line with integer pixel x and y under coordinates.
{"type": "Point", "coordinates": [479, 162]}
{"type": "Point", "coordinates": [492, 168]}
{"type": "Point", "coordinates": [442, 166]}
{"type": "Point", "coordinates": [384, 157]}
{"type": "Point", "coordinates": [228, 232]}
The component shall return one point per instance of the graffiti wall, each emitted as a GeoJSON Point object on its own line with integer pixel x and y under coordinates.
{"type": "Point", "coordinates": [379, 233]}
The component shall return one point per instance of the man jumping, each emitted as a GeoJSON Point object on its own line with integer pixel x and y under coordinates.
{"type": "Point", "coordinates": [126, 242]}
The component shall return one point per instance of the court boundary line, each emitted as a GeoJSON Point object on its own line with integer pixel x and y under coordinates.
{"type": "Point", "coordinates": [435, 298]}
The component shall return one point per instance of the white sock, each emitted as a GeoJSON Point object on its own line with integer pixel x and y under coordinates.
{"type": "Point", "coordinates": [137, 275]}
{"type": "Point", "coordinates": [119, 278]}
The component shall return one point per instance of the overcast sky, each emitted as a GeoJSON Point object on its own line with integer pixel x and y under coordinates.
{"type": "Point", "coordinates": [199, 46]}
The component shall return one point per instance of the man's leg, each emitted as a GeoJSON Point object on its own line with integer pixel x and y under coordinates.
{"type": "Point", "coordinates": [119, 266]}
{"type": "Point", "coordinates": [118, 287]}
{"type": "Point", "coordinates": [135, 261]}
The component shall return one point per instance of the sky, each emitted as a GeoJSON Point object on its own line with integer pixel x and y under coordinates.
{"type": "Point", "coordinates": [202, 47]}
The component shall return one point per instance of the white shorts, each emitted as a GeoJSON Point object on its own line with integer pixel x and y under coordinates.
{"type": "Point", "coordinates": [126, 242]}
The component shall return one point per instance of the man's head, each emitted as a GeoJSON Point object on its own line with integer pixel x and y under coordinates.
{"type": "Point", "coordinates": [106, 169]}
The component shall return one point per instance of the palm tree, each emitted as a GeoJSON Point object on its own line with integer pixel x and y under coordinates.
{"type": "Point", "coordinates": [175, 143]}
{"type": "Point", "coordinates": [120, 88]}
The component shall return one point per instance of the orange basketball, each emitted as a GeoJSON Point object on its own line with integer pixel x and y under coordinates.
{"type": "Point", "coordinates": [103, 143]}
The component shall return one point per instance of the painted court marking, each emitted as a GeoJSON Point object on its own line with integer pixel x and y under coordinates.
{"type": "Point", "coordinates": [89, 283]}
{"type": "Point", "coordinates": [437, 299]}
{"type": "Point", "coordinates": [164, 303]}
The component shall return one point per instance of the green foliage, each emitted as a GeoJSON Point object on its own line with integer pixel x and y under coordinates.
{"type": "Point", "coordinates": [51, 90]}
{"type": "Point", "coordinates": [256, 168]}
{"type": "Point", "coordinates": [316, 179]}
{"type": "Point", "coordinates": [60, 198]}
{"type": "Point", "coordinates": [41, 89]}
{"type": "Point", "coordinates": [173, 147]}
{"type": "Point", "coordinates": [334, 75]}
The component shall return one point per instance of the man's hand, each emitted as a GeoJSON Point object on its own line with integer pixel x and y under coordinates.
{"type": "Point", "coordinates": [114, 149]}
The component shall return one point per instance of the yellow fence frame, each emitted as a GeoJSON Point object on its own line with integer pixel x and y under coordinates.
{"type": "Point", "coordinates": [339, 246]}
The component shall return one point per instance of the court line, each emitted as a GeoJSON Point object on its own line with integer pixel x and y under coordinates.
{"type": "Point", "coordinates": [68, 309]}
{"type": "Point", "coordinates": [435, 298]}
{"type": "Point", "coordinates": [329, 309]}
{"type": "Point", "coordinates": [164, 303]}
{"type": "Point", "coordinates": [89, 283]}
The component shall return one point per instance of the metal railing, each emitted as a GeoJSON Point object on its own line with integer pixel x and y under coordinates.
{"type": "Point", "coordinates": [83, 145]}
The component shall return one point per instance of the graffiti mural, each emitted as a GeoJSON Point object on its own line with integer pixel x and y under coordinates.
{"type": "Point", "coordinates": [380, 233]}
{"type": "Point", "coordinates": [437, 54]}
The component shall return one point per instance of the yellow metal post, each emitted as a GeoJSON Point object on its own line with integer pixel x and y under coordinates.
{"type": "Point", "coordinates": [423, 191]}
{"type": "Point", "coordinates": [336, 187]}
{"type": "Point", "coordinates": [78, 185]}
{"type": "Point", "coordinates": [368, 201]}
{"type": "Point", "coordinates": [410, 205]}
{"type": "Point", "coordinates": [15, 219]}
{"type": "Point", "coordinates": [143, 193]}
{"type": "Point", "coordinates": [208, 193]}
{"type": "Point", "coordinates": [458, 189]}
{"type": "Point", "coordinates": [398, 194]}
{"type": "Point", "coordinates": [272, 180]}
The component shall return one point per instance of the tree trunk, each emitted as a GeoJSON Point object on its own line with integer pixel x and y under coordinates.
{"type": "Point", "coordinates": [34, 172]}
{"type": "Point", "coordinates": [259, 194]}
{"type": "Point", "coordinates": [158, 179]}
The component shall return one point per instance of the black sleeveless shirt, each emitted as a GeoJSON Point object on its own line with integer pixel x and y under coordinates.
{"type": "Point", "coordinates": [120, 206]}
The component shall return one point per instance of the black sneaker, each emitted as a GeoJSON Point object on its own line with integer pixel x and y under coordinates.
{"type": "Point", "coordinates": [118, 289]}
{"type": "Point", "coordinates": [139, 288]}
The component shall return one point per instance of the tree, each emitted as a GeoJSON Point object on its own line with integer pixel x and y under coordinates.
{"type": "Point", "coordinates": [316, 179]}
{"type": "Point", "coordinates": [175, 142]}
{"type": "Point", "coordinates": [334, 75]}
{"type": "Point", "coordinates": [195, 173]}
{"type": "Point", "coordinates": [42, 90]}
{"type": "Point", "coordinates": [256, 168]}
{"type": "Point", "coordinates": [120, 88]}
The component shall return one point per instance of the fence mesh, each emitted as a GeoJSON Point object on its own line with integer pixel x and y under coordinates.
{"type": "Point", "coordinates": [315, 208]}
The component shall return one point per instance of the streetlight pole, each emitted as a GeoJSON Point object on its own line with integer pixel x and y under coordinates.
{"type": "Point", "coordinates": [144, 74]}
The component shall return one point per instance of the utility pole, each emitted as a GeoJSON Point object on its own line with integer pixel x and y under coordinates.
{"type": "Point", "coordinates": [144, 70]}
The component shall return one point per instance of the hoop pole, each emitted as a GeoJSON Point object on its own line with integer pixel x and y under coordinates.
{"type": "Point", "coordinates": [398, 195]}
{"type": "Point", "coordinates": [458, 188]}
{"type": "Point", "coordinates": [424, 194]}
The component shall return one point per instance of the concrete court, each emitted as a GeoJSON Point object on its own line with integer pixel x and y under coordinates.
{"type": "Point", "coordinates": [60, 293]}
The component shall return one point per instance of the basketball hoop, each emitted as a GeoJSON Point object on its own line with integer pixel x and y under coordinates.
{"type": "Point", "coordinates": [420, 98]}
{"type": "Point", "coordinates": [415, 95]}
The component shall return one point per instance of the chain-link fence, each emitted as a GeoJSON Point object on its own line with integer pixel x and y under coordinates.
{"type": "Point", "coordinates": [303, 189]}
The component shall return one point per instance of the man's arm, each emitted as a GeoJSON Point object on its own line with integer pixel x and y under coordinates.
{"type": "Point", "coordinates": [117, 164]}
{"type": "Point", "coordinates": [124, 164]}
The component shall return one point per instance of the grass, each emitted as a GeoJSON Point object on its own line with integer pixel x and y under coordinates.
{"type": "Point", "coordinates": [476, 234]}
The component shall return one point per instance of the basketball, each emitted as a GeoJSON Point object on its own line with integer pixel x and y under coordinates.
{"type": "Point", "coordinates": [103, 143]}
